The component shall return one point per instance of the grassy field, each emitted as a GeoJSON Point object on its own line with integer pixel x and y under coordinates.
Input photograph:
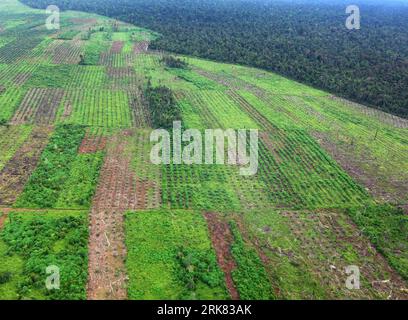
{"type": "Point", "coordinates": [170, 257]}
{"type": "Point", "coordinates": [78, 189]}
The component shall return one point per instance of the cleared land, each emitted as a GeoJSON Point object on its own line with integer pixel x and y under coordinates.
{"type": "Point", "coordinates": [78, 190]}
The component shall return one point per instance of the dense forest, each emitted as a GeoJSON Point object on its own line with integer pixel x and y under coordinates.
{"type": "Point", "coordinates": [303, 40]}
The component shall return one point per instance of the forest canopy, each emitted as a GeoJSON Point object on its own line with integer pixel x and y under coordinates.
{"type": "Point", "coordinates": [303, 40]}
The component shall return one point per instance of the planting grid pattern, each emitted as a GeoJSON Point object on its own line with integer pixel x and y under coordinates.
{"type": "Point", "coordinates": [75, 131]}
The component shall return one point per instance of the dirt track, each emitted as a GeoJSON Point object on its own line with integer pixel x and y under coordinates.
{"type": "Point", "coordinates": [221, 238]}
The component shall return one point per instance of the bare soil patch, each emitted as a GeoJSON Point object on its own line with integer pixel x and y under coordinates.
{"type": "Point", "coordinates": [39, 106]}
{"type": "Point", "coordinates": [141, 47]}
{"type": "Point", "coordinates": [3, 217]}
{"type": "Point", "coordinates": [117, 47]}
{"type": "Point", "coordinates": [118, 191]}
{"type": "Point", "coordinates": [17, 171]}
{"type": "Point", "coordinates": [222, 239]}
{"type": "Point", "coordinates": [92, 144]}
{"type": "Point", "coordinates": [107, 251]}
{"type": "Point", "coordinates": [328, 241]}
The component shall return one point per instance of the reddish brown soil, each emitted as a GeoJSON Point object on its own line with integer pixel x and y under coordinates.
{"type": "Point", "coordinates": [118, 191]}
{"type": "Point", "coordinates": [140, 47]}
{"type": "Point", "coordinates": [92, 144]}
{"type": "Point", "coordinates": [107, 252]}
{"type": "Point", "coordinates": [3, 217]}
{"type": "Point", "coordinates": [17, 171]}
{"type": "Point", "coordinates": [118, 188]}
{"type": "Point", "coordinates": [117, 47]}
{"type": "Point", "coordinates": [222, 240]}
{"type": "Point", "coordinates": [67, 109]}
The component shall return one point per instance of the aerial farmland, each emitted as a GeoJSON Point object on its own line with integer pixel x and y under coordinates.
{"type": "Point", "coordinates": [80, 194]}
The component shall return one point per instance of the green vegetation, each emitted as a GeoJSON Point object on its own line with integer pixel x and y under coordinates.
{"type": "Point", "coordinates": [250, 276]}
{"type": "Point", "coordinates": [52, 76]}
{"type": "Point", "coordinates": [288, 264]}
{"type": "Point", "coordinates": [293, 39]}
{"type": "Point", "coordinates": [11, 139]}
{"type": "Point", "coordinates": [197, 270]}
{"type": "Point", "coordinates": [199, 187]}
{"type": "Point", "coordinates": [162, 106]}
{"type": "Point", "coordinates": [9, 100]}
{"type": "Point", "coordinates": [77, 108]}
{"type": "Point", "coordinates": [47, 183]}
{"type": "Point", "coordinates": [387, 228]}
{"type": "Point", "coordinates": [170, 257]}
{"type": "Point", "coordinates": [99, 108]}
{"type": "Point", "coordinates": [80, 186]}
{"type": "Point", "coordinates": [173, 62]}
{"type": "Point", "coordinates": [31, 242]}
{"type": "Point", "coordinates": [68, 35]}
{"type": "Point", "coordinates": [94, 48]}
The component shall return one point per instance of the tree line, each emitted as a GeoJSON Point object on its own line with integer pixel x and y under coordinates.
{"type": "Point", "coordinates": [305, 41]}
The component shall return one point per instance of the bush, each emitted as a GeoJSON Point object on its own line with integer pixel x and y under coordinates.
{"type": "Point", "coordinates": [5, 277]}
{"type": "Point", "coordinates": [173, 62]}
{"type": "Point", "coordinates": [198, 266]}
